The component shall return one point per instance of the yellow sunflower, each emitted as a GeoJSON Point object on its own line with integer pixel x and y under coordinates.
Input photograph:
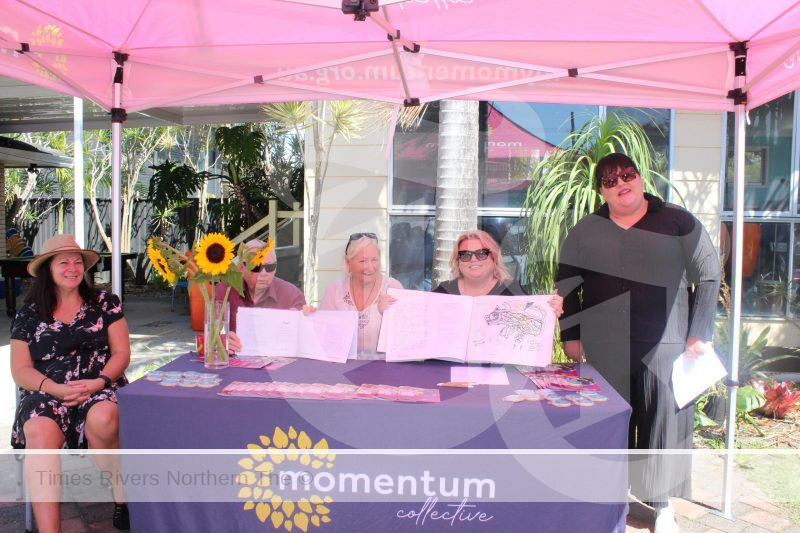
{"type": "Point", "coordinates": [262, 254]}
{"type": "Point", "coordinates": [214, 254]}
{"type": "Point", "coordinates": [160, 262]}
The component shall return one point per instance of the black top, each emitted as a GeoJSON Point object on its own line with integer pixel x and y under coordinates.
{"type": "Point", "coordinates": [501, 288]}
{"type": "Point", "coordinates": [67, 352]}
{"type": "Point", "coordinates": [636, 282]}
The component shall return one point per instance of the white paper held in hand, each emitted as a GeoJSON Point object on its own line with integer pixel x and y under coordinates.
{"type": "Point", "coordinates": [691, 376]}
{"type": "Point", "coordinates": [322, 335]}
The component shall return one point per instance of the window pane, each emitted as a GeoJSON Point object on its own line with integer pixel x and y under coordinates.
{"type": "Point", "coordinates": [411, 247]}
{"type": "Point", "coordinates": [655, 123]}
{"type": "Point", "coordinates": [411, 250]}
{"type": "Point", "coordinates": [509, 232]}
{"type": "Point", "coordinates": [768, 149]}
{"type": "Point", "coordinates": [764, 267]}
{"type": "Point", "coordinates": [519, 136]}
{"type": "Point", "coordinates": [794, 299]}
{"type": "Point", "coordinates": [415, 158]}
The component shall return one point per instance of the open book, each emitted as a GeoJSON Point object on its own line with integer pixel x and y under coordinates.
{"type": "Point", "coordinates": [514, 330]}
{"type": "Point", "coordinates": [322, 335]}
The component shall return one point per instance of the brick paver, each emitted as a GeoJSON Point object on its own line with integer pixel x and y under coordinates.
{"type": "Point", "coordinates": [766, 520]}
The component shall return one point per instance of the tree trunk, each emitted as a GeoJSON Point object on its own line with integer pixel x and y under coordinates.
{"type": "Point", "coordinates": [456, 180]}
{"type": "Point", "coordinates": [310, 274]}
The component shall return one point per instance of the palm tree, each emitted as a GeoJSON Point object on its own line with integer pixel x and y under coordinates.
{"type": "Point", "coordinates": [456, 180]}
{"type": "Point", "coordinates": [562, 191]}
{"type": "Point", "coordinates": [327, 121]}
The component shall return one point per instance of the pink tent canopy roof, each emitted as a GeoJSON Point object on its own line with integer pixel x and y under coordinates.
{"type": "Point", "coordinates": [656, 53]}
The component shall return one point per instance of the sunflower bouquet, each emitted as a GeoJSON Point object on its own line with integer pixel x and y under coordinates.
{"type": "Point", "coordinates": [209, 263]}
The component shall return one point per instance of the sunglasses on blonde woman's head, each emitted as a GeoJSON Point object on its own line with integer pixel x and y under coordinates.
{"type": "Point", "coordinates": [466, 255]}
{"type": "Point", "coordinates": [356, 236]}
{"type": "Point", "coordinates": [609, 182]}
{"type": "Point", "coordinates": [266, 267]}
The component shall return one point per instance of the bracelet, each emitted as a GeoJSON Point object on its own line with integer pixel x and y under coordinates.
{"type": "Point", "coordinates": [106, 380]}
{"type": "Point", "coordinates": [42, 383]}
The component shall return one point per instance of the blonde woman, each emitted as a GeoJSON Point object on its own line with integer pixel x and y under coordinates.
{"type": "Point", "coordinates": [478, 270]}
{"type": "Point", "coordinates": [362, 289]}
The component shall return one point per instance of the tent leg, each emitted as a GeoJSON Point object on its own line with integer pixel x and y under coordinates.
{"type": "Point", "coordinates": [736, 305]}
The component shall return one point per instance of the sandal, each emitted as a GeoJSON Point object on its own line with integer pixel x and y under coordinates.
{"type": "Point", "coordinates": [121, 519]}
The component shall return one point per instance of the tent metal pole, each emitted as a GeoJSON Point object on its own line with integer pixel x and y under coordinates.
{"type": "Point", "coordinates": [116, 192]}
{"type": "Point", "coordinates": [736, 303]}
{"type": "Point", "coordinates": [77, 141]}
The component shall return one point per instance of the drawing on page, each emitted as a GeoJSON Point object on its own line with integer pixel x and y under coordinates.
{"type": "Point", "coordinates": [521, 320]}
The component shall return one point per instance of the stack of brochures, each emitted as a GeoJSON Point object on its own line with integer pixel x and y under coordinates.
{"type": "Point", "coordinates": [320, 391]}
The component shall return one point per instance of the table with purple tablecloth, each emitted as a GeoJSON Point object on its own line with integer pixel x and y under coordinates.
{"type": "Point", "coordinates": [534, 490]}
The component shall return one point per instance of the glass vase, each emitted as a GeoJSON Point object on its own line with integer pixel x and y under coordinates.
{"type": "Point", "coordinates": [215, 332]}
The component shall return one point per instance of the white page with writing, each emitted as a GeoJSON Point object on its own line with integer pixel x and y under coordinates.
{"type": "Point", "coordinates": [270, 332]}
{"type": "Point", "coordinates": [425, 325]}
{"type": "Point", "coordinates": [516, 330]}
{"type": "Point", "coordinates": [328, 335]}
{"type": "Point", "coordinates": [691, 376]}
{"type": "Point", "coordinates": [479, 375]}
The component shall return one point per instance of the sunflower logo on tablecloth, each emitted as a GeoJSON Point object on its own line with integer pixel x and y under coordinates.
{"type": "Point", "coordinates": [256, 479]}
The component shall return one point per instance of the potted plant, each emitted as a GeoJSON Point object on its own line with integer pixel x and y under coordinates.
{"type": "Point", "coordinates": [771, 294]}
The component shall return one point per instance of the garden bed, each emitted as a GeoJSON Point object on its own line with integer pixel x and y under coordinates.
{"type": "Point", "coordinates": [777, 434]}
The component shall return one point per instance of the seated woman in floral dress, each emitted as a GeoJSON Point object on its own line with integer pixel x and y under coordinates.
{"type": "Point", "coordinates": [69, 351]}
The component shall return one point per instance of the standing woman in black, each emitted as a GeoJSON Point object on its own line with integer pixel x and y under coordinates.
{"type": "Point", "coordinates": [640, 279]}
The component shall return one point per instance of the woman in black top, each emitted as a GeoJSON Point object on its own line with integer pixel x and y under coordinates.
{"type": "Point", "coordinates": [69, 350]}
{"type": "Point", "coordinates": [478, 270]}
{"type": "Point", "coordinates": [627, 271]}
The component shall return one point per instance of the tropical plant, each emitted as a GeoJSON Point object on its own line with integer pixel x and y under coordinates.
{"type": "Point", "coordinates": [32, 193]}
{"type": "Point", "coordinates": [780, 399]}
{"type": "Point", "coordinates": [701, 419]}
{"type": "Point", "coordinates": [259, 163]}
{"type": "Point", "coordinates": [327, 122]}
{"type": "Point", "coordinates": [137, 146]}
{"type": "Point", "coordinates": [562, 190]}
{"type": "Point", "coordinates": [752, 361]}
{"type": "Point", "coordinates": [748, 399]}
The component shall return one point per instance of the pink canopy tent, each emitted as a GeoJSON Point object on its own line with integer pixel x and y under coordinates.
{"type": "Point", "coordinates": [654, 53]}
{"type": "Point", "coordinates": [723, 55]}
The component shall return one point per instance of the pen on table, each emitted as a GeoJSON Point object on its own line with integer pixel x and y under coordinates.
{"type": "Point", "coordinates": [458, 384]}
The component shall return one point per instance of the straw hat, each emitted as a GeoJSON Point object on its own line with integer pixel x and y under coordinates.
{"type": "Point", "coordinates": [60, 244]}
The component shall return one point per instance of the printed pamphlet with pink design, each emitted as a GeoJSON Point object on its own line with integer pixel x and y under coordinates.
{"type": "Point", "coordinates": [321, 391]}
{"type": "Point", "coordinates": [323, 335]}
{"type": "Point", "coordinates": [514, 330]}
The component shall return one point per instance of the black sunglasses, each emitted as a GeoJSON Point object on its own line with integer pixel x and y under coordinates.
{"type": "Point", "coordinates": [466, 255]}
{"type": "Point", "coordinates": [611, 181]}
{"type": "Point", "coordinates": [267, 267]}
{"type": "Point", "coordinates": [356, 236]}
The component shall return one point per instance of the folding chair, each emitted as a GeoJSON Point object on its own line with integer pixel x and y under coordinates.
{"type": "Point", "coordinates": [21, 486]}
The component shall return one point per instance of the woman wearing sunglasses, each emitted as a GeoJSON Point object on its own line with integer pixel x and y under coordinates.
{"type": "Point", "coordinates": [478, 270]}
{"type": "Point", "coordinates": [363, 289]}
{"type": "Point", "coordinates": [634, 261]}
{"type": "Point", "coordinates": [262, 288]}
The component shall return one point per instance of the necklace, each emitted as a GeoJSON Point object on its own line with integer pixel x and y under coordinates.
{"type": "Point", "coordinates": [365, 301]}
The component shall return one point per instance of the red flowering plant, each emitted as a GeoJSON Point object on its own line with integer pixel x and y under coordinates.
{"type": "Point", "coordinates": [780, 399]}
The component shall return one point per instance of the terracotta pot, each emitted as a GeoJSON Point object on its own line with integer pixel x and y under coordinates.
{"type": "Point", "coordinates": [196, 306]}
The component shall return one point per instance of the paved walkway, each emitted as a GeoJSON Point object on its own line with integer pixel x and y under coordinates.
{"type": "Point", "coordinates": [158, 335]}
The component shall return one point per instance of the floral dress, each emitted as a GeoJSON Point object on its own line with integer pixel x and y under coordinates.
{"type": "Point", "coordinates": [64, 353]}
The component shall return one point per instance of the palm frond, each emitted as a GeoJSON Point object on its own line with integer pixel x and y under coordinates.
{"type": "Point", "coordinates": [562, 191]}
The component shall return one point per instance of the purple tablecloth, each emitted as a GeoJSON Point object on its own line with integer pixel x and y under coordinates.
{"type": "Point", "coordinates": [157, 417]}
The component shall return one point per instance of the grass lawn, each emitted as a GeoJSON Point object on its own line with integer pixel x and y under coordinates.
{"type": "Point", "coordinates": [778, 476]}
